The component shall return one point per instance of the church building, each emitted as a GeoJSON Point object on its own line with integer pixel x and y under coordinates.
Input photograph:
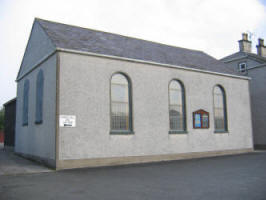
{"type": "Point", "coordinates": [91, 98]}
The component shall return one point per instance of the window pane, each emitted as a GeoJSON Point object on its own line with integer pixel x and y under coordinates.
{"type": "Point", "coordinates": [175, 96]}
{"type": "Point", "coordinates": [120, 116]}
{"type": "Point", "coordinates": [176, 118]}
{"type": "Point", "coordinates": [242, 67]}
{"type": "Point", "coordinates": [120, 93]}
{"type": "Point", "coordinates": [205, 121]}
{"type": "Point", "coordinates": [219, 118]}
{"type": "Point", "coordinates": [119, 103]}
{"type": "Point", "coordinates": [119, 79]}
{"type": "Point", "coordinates": [176, 114]}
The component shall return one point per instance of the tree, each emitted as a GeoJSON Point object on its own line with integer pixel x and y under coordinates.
{"type": "Point", "coordinates": [2, 115]}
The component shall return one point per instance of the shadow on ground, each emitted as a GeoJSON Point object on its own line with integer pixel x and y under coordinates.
{"type": "Point", "coordinates": [12, 164]}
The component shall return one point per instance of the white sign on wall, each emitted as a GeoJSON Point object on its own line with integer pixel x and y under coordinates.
{"type": "Point", "coordinates": [67, 121]}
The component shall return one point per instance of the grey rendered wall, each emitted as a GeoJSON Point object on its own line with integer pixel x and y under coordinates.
{"type": "Point", "coordinates": [250, 63]}
{"type": "Point", "coordinates": [39, 46]}
{"type": "Point", "coordinates": [258, 102]}
{"type": "Point", "coordinates": [258, 99]}
{"type": "Point", "coordinates": [38, 140]}
{"type": "Point", "coordinates": [84, 92]}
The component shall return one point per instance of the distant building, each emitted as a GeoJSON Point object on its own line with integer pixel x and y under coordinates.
{"type": "Point", "coordinates": [10, 123]}
{"type": "Point", "coordinates": [91, 98]}
{"type": "Point", "coordinates": [1, 136]}
{"type": "Point", "coordinates": [254, 66]}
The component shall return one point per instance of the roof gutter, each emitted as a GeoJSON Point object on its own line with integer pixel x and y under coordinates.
{"type": "Point", "coordinates": [234, 59]}
{"type": "Point", "coordinates": [37, 64]}
{"type": "Point", "coordinates": [151, 63]}
{"type": "Point", "coordinates": [255, 57]}
{"type": "Point", "coordinates": [130, 60]}
{"type": "Point", "coordinates": [257, 66]}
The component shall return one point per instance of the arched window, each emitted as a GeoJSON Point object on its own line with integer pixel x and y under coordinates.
{"type": "Point", "coordinates": [121, 108]}
{"type": "Point", "coordinates": [25, 110]}
{"type": "Point", "coordinates": [177, 115]}
{"type": "Point", "coordinates": [220, 114]}
{"type": "Point", "coordinates": [39, 98]}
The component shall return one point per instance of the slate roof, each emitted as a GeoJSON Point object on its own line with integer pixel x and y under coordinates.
{"type": "Point", "coordinates": [233, 56]}
{"type": "Point", "coordinates": [242, 54]}
{"type": "Point", "coordinates": [88, 40]}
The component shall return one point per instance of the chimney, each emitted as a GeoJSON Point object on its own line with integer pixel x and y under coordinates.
{"type": "Point", "coordinates": [261, 49]}
{"type": "Point", "coordinates": [244, 44]}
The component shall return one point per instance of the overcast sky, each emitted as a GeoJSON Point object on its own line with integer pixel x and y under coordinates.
{"type": "Point", "coordinates": [213, 26]}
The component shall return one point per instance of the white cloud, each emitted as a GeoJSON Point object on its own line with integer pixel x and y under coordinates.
{"type": "Point", "coordinates": [213, 26]}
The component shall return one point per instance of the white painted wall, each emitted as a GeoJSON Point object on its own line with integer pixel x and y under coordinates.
{"type": "Point", "coordinates": [84, 92]}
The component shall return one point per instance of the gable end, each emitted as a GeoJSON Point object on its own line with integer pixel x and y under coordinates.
{"type": "Point", "coordinates": [38, 47]}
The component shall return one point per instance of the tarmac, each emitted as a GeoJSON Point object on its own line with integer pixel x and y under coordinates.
{"type": "Point", "coordinates": [234, 177]}
{"type": "Point", "coordinates": [12, 164]}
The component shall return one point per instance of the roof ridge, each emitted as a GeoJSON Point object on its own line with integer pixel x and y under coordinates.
{"type": "Point", "coordinates": [117, 34]}
{"type": "Point", "coordinates": [245, 54]}
{"type": "Point", "coordinates": [100, 42]}
{"type": "Point", "coordinates": [257, 56]}
{"type": "Point", "coordinates": [44, 30]}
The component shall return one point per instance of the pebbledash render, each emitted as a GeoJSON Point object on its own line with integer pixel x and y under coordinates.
{"type": "Point", "coordinates": [91, 98]}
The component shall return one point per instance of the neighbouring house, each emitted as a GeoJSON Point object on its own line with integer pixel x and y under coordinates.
{"type": "Point", "coordinates": [92, 98]}
{"type": "Point", "coordinates": [10, 124]}
{"type": "Point", "coordinates": [1, 127]}
{"type": "Point", "coordinates": [254, 66]}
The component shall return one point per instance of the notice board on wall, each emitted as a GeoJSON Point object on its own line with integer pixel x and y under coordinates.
{"type": "Point", "coordinates": [201, 119]}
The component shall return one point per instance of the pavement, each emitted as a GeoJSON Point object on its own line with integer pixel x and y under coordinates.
{"type": "Point", "coordinates": [11, 164]}
{"type": "Point", "coordinates": [235, 177]}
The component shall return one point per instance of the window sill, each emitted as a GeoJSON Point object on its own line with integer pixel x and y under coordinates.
{"type": "Point", "coordinates": [221, 131]}
{"type": "Point", "coordinates": [38, 122]}
{"type": "Point", "coordinates": [121, 132]}
{"type": "Point", "coordinates": [177, 132]}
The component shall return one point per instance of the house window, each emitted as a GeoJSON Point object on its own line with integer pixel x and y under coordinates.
{"type": "Point", "coordinates": [242, 67]}
{"type": "Point", "coordinates": [121, 108]}
{"type": "Point", "coordinates": [177, 107]}
{"type": "Point", "coordinates": [220, 113]}
{"type": "Point", "coordinates": [39, 98]}
{"type": "Point", "coordinates": [25, 110]}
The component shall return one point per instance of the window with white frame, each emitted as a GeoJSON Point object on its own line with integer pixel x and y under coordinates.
{"type": "Point", "coordinates": [242, 67]}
